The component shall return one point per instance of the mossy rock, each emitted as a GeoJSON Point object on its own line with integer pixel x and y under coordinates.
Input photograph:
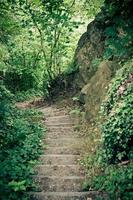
{"type": "Point", "coordinates": [95, 90]}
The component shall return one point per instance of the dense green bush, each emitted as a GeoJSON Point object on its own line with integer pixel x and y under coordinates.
{"type": "Point", "coordinates": [20, 134]}
{"type": "Point", "coordinates": [117, 131]}
{"type": "Point", "coordinates": [116, 181]}
{"type": "Point", "coordinates": [22, 80]}
{"type": "Point", "coordinates": [27, 95]}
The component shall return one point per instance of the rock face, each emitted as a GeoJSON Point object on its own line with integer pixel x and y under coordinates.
{"type": "Point", "coordinates": [96, 88]}
{"type": "Point", "coordinates": [94, 74]}
{"type": "Point", "coordinates": [90, 47]}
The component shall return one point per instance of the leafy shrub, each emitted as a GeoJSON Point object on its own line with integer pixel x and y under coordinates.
{"type": "Point", "coordinates": [27, 95]}
{"type": "Point", "coordinates": [116, 181]}
{"type": "Point", "coordinates": [119, 30]}
{"type": "Point", "coordinates": [20, 134]}
{"type": "Point", "coordinates": [23, 80]}
{"type": "Point", "coordinates": [117, 130]}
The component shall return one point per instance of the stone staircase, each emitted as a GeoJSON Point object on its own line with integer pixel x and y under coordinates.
{"type": "Point", "coordinates": [59, 176]}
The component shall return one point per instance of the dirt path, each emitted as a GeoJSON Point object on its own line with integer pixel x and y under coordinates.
{"type": "Point", "coordinates": [59, 174]}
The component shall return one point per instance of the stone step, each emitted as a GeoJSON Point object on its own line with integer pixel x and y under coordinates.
{"type": "Point", "coordinates": [59, 124]}
{"type": "Point", "coordinates": [59, 159]}
{"type": "Point", "coordinates": [48, 110]}
{"type": "Point", "coordinates": [66, 116]}
{"type": "Point", "coordinates": [62, 129]}
{"type": "Point", "coordinates": [60, 134]}
{"type": "Point", "coordinates": [66, 195]}
{"type": "Point", "coordinates": [59, 170]}
{"type": "Point", "coordinates": [58, 175]}
{"type": "Point", "coordinates": [60, 118]}
{"type": "Point", "coordinates": [62, 150]}
{"type": "Point", "coordinates": [60, 113]}
{"type": "Point", "coordinates": [62, 142]}
{"type": "Point", "coordinates": [59, 183]}
{"type": "Point", "coordinates": [54, 113]}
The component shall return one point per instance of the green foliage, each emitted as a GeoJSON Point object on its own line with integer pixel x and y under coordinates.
{"type": "Point", "coordinates": [42, 45]}
{"type": "Point", "coordinates": [8, 23]}
{"type": "Point", "coordinates": [119, 42]}
{"type": "Point", "coordinates": [116, 181]}
{"type": "Point", "coordinates": [119, 88]}
{"type": "Point", "coordinates": [85, 186]}
{"type": "Point", "coordinates": [18, 186]}
{"type": "Point", "coordinates": [111, 168]}
{"type": "Point", "coordinates": [5, 95]}
{"type": "Point", "coordinates": [76, 98]}
{"type": "Point", "coordinates": [92, 163]}
{"type": "Point", "coordinates": [20, 53]}
{"type": "Point", "coordinates": [92, 7]}
{"type": "Point", "coordinates": [119, 30]}
{"type": "Point", "coordinates": [75, 112]}
{"type": "Point", "coordinates": [58, 27]}
{"type": "Point", "coordinates": [117, 130]}
{"type": "Point", "coordinates": [27, 95]}
{"type": "Point", "coordinates": [20, 134]}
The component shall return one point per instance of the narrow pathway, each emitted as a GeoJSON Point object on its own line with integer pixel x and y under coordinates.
{"type": "Point", "coordinates": [59, 175]}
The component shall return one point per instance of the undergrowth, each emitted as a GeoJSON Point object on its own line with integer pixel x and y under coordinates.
{"type": "Point", "coordinates": [27, 95]}
{"type": "Point", "coordinates": [110, 167]}
{"type": "Point", "coordinates": [117, 129]}
{"type": "Point", "coordinates": [20, 134]}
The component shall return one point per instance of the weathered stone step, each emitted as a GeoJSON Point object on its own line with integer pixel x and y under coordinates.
{"type": "Point", "coordinates": [60, 118]}
{"type": "Point", "coordinates": [62, 142]}
{"type": "Point", "coordinates": [59, 159]}
{"type": "Point", "coordinates": [62, 150]}
{"type": "Point", "coordinates": [54, 113]}
{"type": "Point", "coordinates": [48, 110]}
{"type": "Point", "coordinates": [59, 183]}
{"type": "Point", "coordinates": [59, 113]}
{"type": "Point", "coordinates": [61, 129]}
{"type": "Point", "coordinates": [59, 134]}
{"type": "Point", "coordinates": [59, 177]}
{"type": "Point", "coordinates": [59, 170]}
{"type": "Point", "coordinates": [60, 124]}
{"type": "Point", "coordinates": [65, 195]}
